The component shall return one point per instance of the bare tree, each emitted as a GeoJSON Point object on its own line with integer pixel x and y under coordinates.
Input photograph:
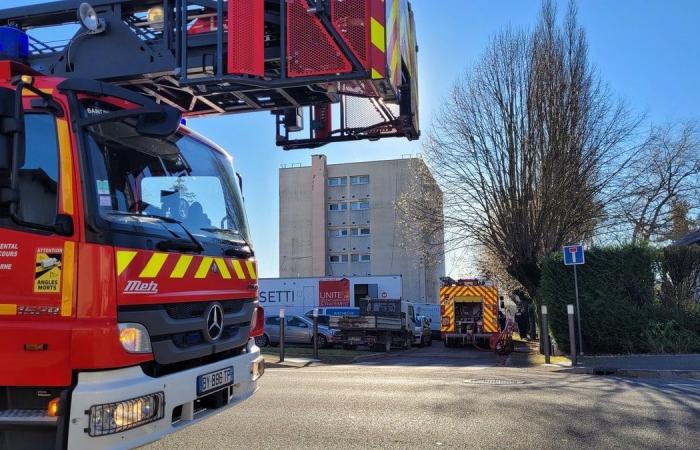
{"type": "Point", "coordinates": [525, 147]}
{"type": "Point", "coordinates": [662, 184]}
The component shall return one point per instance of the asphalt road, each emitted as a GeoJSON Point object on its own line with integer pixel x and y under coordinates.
{"type": "Point", "coordinates": [451, 398]}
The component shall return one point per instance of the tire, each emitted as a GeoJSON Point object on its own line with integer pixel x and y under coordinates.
{"type": "Point", "coordinates": [420, 344]}
{"type": "Point", "coordinates": [387, 345]}
{"type": "Point", "coordinates": [262, 341]}
{"type": "Point", "coordinates": [322, 341]}
{"type": "Point", "coordinates": [407, 342]}
{"type": "Point", "coordinates": [430, 341]}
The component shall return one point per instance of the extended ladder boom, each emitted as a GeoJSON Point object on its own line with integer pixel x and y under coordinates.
{"type": "Point", "coordinates": [351, 64]}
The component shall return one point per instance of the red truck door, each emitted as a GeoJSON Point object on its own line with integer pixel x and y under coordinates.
{"type": "Point", "coordinates": [37, 267]}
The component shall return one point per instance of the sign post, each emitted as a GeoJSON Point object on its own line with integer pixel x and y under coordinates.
{"type": "Point", "coordinates": [574, 256]}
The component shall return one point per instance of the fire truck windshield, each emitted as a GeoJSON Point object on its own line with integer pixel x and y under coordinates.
{"type": "Point", "coordinates": [139, 179]}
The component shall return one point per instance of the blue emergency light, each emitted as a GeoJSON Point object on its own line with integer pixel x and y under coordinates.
{"type": "Point", "coordinates": [14, 44]}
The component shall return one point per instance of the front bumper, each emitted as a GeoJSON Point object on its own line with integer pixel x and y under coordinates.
{"type": "Point", "coordinates": [180, 390]}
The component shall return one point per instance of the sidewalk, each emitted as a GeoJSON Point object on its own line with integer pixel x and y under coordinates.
{"type": "Point", "coordinates": [657, 366]}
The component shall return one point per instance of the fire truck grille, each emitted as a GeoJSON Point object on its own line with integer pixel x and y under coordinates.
{"type": "Point", "coordinates": [179, 330]}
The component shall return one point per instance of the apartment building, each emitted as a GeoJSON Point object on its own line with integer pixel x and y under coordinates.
{"type": "Point", "coordinates": [341, 220]}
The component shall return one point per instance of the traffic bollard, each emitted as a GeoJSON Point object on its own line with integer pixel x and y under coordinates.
{"type": "Point", "coordinates": [545, 335]}
{"type": "Point", "coordinates": [572, 334]}
{"type": "Point", "coordinates": [315, 333]}
{"type": "Point", "coordinates": [282, 335]}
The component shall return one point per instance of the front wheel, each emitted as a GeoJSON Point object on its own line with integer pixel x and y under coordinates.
{"type": "Point", "coordinates": [262, 341]}
{"type": "Point", "coordinates": [322, 341]}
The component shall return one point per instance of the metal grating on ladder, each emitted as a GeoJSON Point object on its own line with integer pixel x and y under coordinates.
{"type": "Point", "coordinates": [352, 20]}
{"type": "Point", "coordinates": [310, 49]}
{"type": "Point", "coordinates": [246, 37]}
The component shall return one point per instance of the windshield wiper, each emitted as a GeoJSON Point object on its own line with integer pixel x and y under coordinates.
{"type": "Point", "coordinates": [239, 247]}
{"type": "Point", "coordinates": [177, 244]}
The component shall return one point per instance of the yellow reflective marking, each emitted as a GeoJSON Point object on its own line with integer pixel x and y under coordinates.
{"type": "Point", "coordinates": [376, 75]}
{"type": "Point", "coordinates": [154, 265]}
{"type": "Point", "coordinates": [203, 267]}
{"type": "Point", "coordinates": [395, 58]}
{"type": "Point", "coordinates": [238, 269]}
{"type": "Point", "coordinates": [251, 269]}
{"type": "Point", "coordinates": [8, 310]}
{"type": "Point", "coordinates": [124, 258]}
{"type": "Point", "coordinates": [223, 269]}
{"type": "Point", "coordinates": [68, 278]}
{"type": "Point", "coordinates": [183, 263]}
{"type": "Point", "coordinates": [66, 178]}
{"type": "Point", "coordinates": [377, 34]}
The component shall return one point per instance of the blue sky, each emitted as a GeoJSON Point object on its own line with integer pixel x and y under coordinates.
{"type": "Point", "coordinates": [648, 51]}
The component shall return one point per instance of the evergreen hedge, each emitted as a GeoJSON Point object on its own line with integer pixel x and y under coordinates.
{"type": "Point", "coordinates": [621, 311]}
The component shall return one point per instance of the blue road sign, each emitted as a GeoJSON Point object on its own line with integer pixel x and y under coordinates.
{"type": "Point", "coordinates": [573, 255]}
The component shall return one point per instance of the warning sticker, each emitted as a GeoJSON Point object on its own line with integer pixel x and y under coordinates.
{"type": "Point", "coordinates": [47, 272]}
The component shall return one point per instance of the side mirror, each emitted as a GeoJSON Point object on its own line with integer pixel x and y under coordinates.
{"type": "Point", "coordinates": [64, 225]}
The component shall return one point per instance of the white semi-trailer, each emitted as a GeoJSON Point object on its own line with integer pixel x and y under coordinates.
{"type": "Point", "coordinates": [300, 295]}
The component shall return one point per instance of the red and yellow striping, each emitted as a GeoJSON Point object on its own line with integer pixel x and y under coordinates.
{"type": "Point", "coordinates": [488, 295]}
{"type": "Point", "coordinates": [176, 266]}
{"type": "Point", "coordinates": [378, 39]}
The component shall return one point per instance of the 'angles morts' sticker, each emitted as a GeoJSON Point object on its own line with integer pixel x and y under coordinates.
{"type": "Point", "coordinates": [47, 272]}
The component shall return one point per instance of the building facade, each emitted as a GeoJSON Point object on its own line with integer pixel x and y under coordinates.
{"type": "Point", "coordinates": [342, 220]}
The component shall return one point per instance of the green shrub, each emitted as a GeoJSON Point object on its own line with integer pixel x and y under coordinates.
{"type": "Point", "coordinates": [620, 312]}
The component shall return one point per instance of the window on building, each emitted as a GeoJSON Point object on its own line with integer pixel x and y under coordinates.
{"type": "Point", "coordinates": [360, 231]}
{"type": "Point", "coordinates": [360, 206]}
{"type": "Point", "coordinates": [337, 207]}
{"type": "Point", "coordinates": [338, 259]}
{"type": "Point", "coordinates": [337, 181]}
{"type": "Point", "coordinates": [359, 179]}
{"type": "Point", "coordinates": [338, 233]}
{"type": "Point", "coordinates": [38, 176]}
{"type": "Point", "coordinates": [360, 258]}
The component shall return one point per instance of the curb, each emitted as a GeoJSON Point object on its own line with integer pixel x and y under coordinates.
{"type": "Point", "coordinates": [291, 364]}
{"type": "Point", "coordinates": [635, 373]}
{"type": "Point", "coordinates": [372, 356]}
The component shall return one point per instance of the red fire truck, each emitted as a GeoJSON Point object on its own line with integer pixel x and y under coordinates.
{"type": "Point", "coordinates": [128, 285]}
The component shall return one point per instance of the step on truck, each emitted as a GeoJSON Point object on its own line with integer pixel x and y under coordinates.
{"type": "Point", "coordinates": [128, 282]}
{"type": "Point", "coordinates": [381, 325]}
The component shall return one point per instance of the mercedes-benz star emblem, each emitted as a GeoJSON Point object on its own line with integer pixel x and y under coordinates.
{"type": "Point", "coordinates": [215, 322]}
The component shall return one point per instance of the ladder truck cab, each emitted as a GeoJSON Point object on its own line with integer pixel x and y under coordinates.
{"type": "Point", "coordinates": [128, 282]}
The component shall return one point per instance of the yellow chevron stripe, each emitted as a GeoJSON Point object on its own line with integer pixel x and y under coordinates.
{"type": "Point", "coordinates": [183, 263]}
{"type": "Point", "coordinates": [223, 268]}
{"type": "Point", "coordinates": [204, 266]}
{"type": "Point", "coordinates": [251, 270]}
{"type": "Point", "coordinates": [124, 258]}
{"type": "Point", "coordinates": [377, 34]}
{"type": "Point", "coordinates": [376, 75]}
{"type": "Point", "coordinates": [238, 269]}
{"type": "Point", "coordinates": [155, 263]}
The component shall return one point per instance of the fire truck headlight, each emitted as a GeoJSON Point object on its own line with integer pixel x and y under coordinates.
{"type": "Point", "coordinates": [134, 338]}
{"type": "Point", "coordinates": [116, 417]}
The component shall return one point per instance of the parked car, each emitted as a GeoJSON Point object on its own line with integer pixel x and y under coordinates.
{"type": "Point", "coordinates": [422, 333]}
{"type": "Point", "coordinates": [297, 330]}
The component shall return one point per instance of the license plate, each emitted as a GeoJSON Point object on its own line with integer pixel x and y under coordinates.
{"type": "Point", "coordinates": [214, 381]}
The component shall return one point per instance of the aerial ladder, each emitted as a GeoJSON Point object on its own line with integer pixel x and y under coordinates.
{"type": "Point", "coordinates": [328, 70]}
